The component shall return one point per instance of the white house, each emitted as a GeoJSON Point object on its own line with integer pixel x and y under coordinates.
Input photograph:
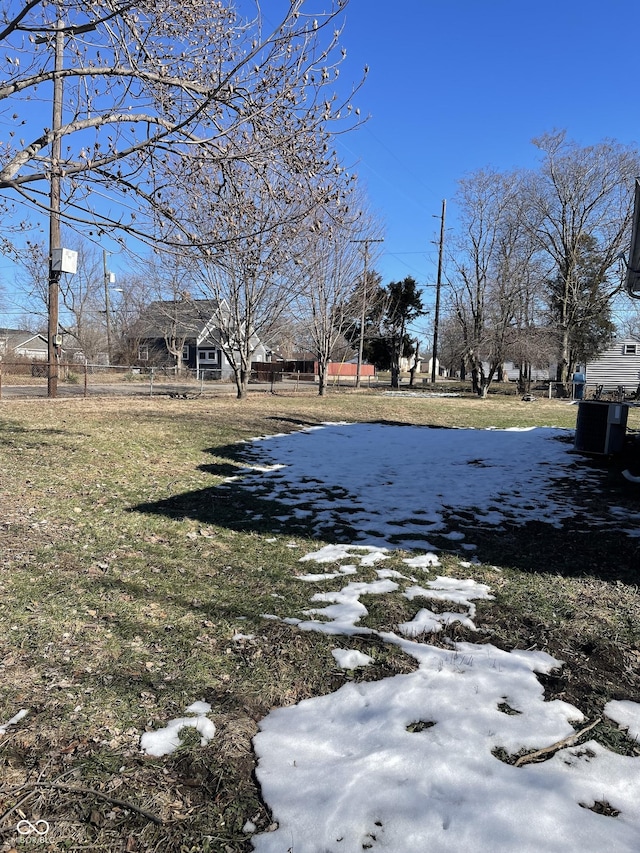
{"type": "Point", "coordinates": [426, 366]}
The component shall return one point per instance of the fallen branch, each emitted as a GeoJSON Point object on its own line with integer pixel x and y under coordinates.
{"type": "Point", "coordinates": [555, 747]}
{"type": "Point", "coordinates": [79, 789]}
{"type": "Point", "coordinates": [31, 788]}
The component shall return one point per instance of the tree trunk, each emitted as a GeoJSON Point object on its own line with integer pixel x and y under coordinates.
{"type": "Point", "coordinates": [524, 379]}
{"type": "Point", "coordinates": [475, 380]}
{"type": "Point", "coordinates": [414, 366]}
{"type": "Point", "coordinates": [322, 378]}
{"type": "Point", "coordinates": [562, 369]}
{"type": "Point", "coordinates": [240, 378]}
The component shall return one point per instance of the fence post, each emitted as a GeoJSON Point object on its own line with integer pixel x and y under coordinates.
{"type": "Point", "coordinates": [85, 379]}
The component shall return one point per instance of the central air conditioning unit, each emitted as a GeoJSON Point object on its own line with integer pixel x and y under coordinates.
{"type": "Point", "coordinates": [601, 427]}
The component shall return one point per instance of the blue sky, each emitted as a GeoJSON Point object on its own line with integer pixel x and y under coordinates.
{"type": "Point", "coordinates": [456, 85]}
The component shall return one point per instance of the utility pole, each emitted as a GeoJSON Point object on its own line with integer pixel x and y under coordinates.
{"type": "Point", "coordinates": [107, 306]}
{"type": "Point", "coordinates": [53, 349]}
{"type": "Point", "coordinates": [366, 242]}
{"type": "Point", "coordinates": [436, 318]}
{"type": "Point", "coordinates": [57, 261]}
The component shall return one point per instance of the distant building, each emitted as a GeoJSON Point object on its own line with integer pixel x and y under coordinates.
{"type": "Point", "coordinates": [186, 334]}
{"type": "Point", "coordinates": [425, 366]}
{"type": "Point", "coordinates": [618, 365]}
{"type": "Point", "coordinates": [511, 372]}
{"type": "Point", "coordinates": [21, 344]}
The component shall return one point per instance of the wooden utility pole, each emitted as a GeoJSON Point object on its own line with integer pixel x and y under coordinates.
{"type": "Point", "coordinates": [436, 318]}
{"type": "Point", "coordinates": [54, 215]}
{"type": "Point", "coordinates": [366, 242]}
{"type": "Point", "coordinates": [107, 303]}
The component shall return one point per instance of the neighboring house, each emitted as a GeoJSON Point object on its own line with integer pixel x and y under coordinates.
{"type": "Point", "coordinates": [185, 333]}
{"type": "Point", "coordinates": [426, 366]}
{"type": "Point", "coordinates": [511, 372]}
{"type": "Point", "coordinates": [17, 343]}
{"type": "Point", "coordinates": [407, 362]}
{"type": "Point", "coordinates": [618, 365]}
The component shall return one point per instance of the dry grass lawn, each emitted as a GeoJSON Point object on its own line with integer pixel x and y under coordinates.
{"type": "Point", "coordinates": [113, 620]}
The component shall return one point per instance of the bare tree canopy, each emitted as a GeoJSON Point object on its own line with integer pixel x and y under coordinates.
{"type": "Point", "coordinates": [329, 293]}
{"type": "Point", "coordinates": [581, 194]}
{"type": "Point", "coordinates": [247, 274]}
{"type": "Point", "coordinates": [492, 262]}
{"type": "Point", "coordinates": [533, 268]}
{"type": "Point", "coordinates": [153, 92]}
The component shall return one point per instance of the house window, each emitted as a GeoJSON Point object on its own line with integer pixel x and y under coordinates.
{"type": "Point", "coordinates": [210, 357]}
{"type": "Point", "coordinates": [631, 349]}
{"type": "Point", "coordinates": [185, 352]}
{"type": "Point", "coordinates": [143, 353]}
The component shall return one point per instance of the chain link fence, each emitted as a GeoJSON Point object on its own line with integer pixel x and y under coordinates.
{"type": "Point", "coordinates": [30, 379]}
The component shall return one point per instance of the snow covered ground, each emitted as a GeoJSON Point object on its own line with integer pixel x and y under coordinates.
{"type": "Point", "coordinates": [398, 484]}
{"type": "Point", "coordinates": [409, 764]}
{"type": "Point", "coordinates": [412, 763]}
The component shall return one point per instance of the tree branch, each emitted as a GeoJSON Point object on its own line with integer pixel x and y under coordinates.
{"type": "Point", "coordinates": [548, 751]}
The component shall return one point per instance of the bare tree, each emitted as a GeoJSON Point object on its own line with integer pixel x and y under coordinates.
{"type": "Point", "coordinates": [492, 262]}
{"type": "Point", "coordinates": [451, 345]}
{"type": "Point", "coordinates": [161, 310]}
{"type": "Point", "coordinates": [580, 194]}
{"type": "Point", "coordinates": [83, 319]}
{"type": "Point", "coordinates": [154, 91]}
{"type": "Point", "coordinates": [252, 230]}
{"type": "Point", "coordinates": [330, 268]}
{"type": "Point", "coordinates": [532, 342]}
{"type": "Point", "coordinates": [136, 291]}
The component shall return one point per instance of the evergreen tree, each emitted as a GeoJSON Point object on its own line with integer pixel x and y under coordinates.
{"type": "Point", "coordinates": [387, 339]}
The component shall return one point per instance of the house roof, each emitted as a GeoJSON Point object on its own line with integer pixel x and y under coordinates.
{"type": "Point", "coordinates": [13, 339]}
{"type": "Point", "coordinates": [182, 318]}
{"type": "Point", "coordinates": [186, 319]}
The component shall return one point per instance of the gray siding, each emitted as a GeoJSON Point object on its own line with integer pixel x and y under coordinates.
{"type": "Point", "coordinates": [614, 367]}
